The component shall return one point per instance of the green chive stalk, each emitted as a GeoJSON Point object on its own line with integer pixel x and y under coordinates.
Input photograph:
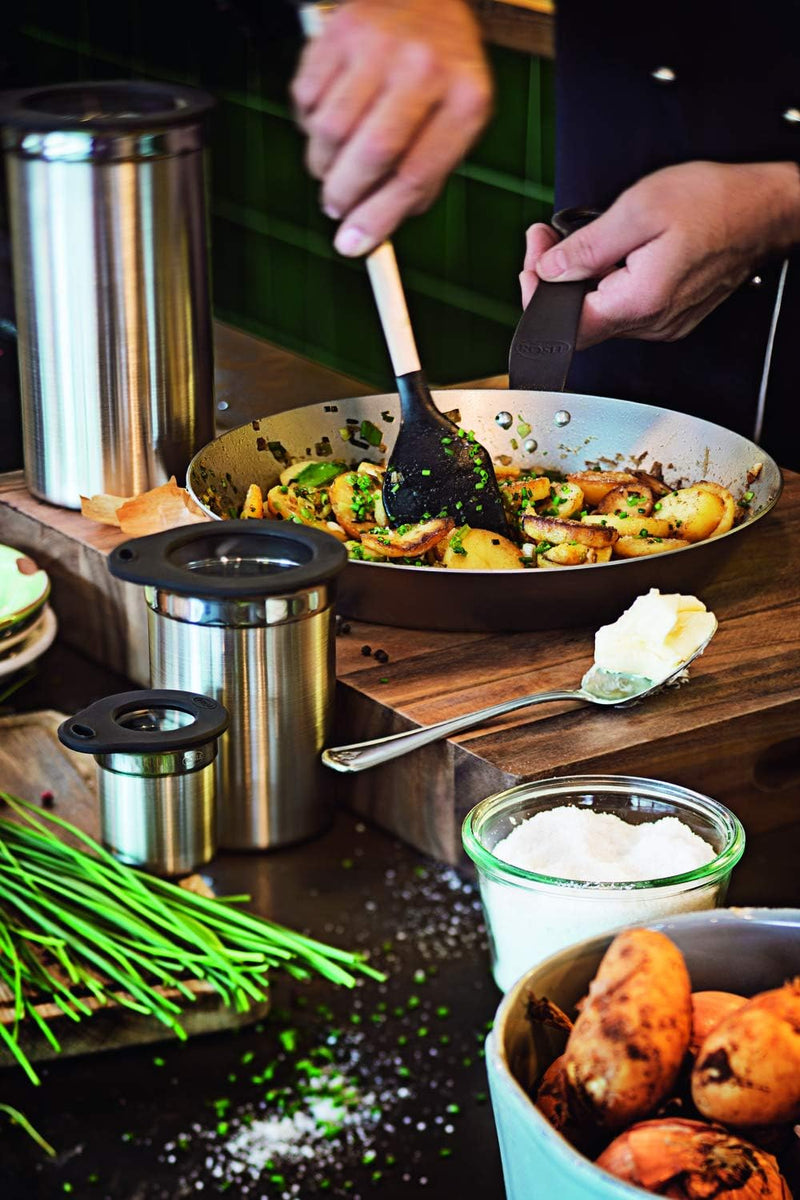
{"type": "Point", "coordinates": [81, 930]}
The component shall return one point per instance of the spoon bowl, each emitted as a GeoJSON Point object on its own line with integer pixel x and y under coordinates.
{"type": "Point", "coordinates": [608, 689]}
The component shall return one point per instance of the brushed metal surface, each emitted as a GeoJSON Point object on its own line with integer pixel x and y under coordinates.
{"type": "Point", "coordinates": [277, 682]}
{"type": "Point", "coordinates": [555, 431]}
{"type": "Point", "coordinates": [164, 823]}
{"type": "Point", "coordinates": [113, 309]}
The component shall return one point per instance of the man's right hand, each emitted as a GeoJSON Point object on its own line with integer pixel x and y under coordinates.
{"type": "Point", "coordinates": [391, 94]}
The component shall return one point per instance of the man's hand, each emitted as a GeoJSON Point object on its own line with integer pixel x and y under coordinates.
{"type": "Point", "coordinates": [391, 94]}
{"type": "Point", "coordinates": [687, 237]}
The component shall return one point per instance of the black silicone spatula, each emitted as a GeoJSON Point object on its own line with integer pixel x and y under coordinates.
{"type": "Point", "coordinates": [435, 469]}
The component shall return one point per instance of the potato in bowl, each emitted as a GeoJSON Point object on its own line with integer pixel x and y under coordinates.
{"type": "Point", "coordinates": [746, 951]}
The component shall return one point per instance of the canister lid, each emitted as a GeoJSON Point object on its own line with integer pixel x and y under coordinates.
{"type": "Point", "coordinates": [123, 105]}
{"type": "Point", "coordinates": [231, 559]}
{"type": "Point", "coordinates": [150, 721]}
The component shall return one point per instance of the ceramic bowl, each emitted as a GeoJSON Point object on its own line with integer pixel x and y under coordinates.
{"type": "Point", "coordinates": [744, 950]}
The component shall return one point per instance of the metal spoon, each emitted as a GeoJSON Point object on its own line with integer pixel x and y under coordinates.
{"type": "Point", "coordinates": [610, 689]}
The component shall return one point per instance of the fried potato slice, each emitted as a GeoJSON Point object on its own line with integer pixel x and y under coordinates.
{"type": "Point", "coordinates": [654, 482]}
{"type": "Point", "coordinates": [524, 493]}
{"type": "Point", "coordinates": [694, 512]}
{"type": "Point", "coordinates": [253, 502]}
{"type": "Point", "coordinates": [287, 505]}
{"type": "Point", "coordinates": [481, 550]}
{"type": "Point", "coordinates": [566, 499]}
{"type": "Point", "coordinates": [641, 547]}
{"type": "Point", "coordinates": [631, 526]}
{"type": "Point", "coordinates": [631, 499]}
{"type": "Point", "coordinates": [407, 541]}
{"type": "Point", "coordinates": [354, 496]}
{"type": "Point", "coordinates": [553, 529]}
{"type": "Point", "coordinates": [596, 484]}
{"type": "Point", "coordinates": [566, 555]}
{"type": "Point", "coordinates": [728, 506]}
{"type": "Point", "coordinates": [360, 553]}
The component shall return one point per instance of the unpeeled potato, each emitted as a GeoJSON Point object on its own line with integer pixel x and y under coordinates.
{"type": "Point", "coordinates": [748, 1068]}
{"type": "Point", "coordinates": [708, 1009]}
{"type": "Point", "coordinates": [629, 1040]}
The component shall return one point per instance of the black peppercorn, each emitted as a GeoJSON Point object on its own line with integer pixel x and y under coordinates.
{"type": "Point", "coordinates": [381, 656]}
{"type": "Point", "coordinates": [366, 651]}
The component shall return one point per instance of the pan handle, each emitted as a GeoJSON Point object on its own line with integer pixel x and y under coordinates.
{"type": "Point", "coordinates": [544, 340]}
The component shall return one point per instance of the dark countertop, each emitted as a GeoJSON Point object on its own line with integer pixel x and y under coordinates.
{"type": "Point", "coordinates": [155, 1121]}
{"type": "Point", "coordinates": [161, 1122]}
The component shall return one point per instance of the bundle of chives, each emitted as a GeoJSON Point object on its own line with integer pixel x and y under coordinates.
{"type": "Point", "coordinates": [76, 924]}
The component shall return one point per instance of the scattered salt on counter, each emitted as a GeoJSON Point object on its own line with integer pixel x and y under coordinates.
{"type": "Point", "coordinates": [594, 847]}
{"type": "Point", "coordinates": [605, 858]}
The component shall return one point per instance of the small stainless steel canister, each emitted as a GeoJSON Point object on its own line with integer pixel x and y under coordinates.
{"type": "Point", "coordinates": [156, 752]}
{"type": "Point", "coordinates": [109, 248]}
{"type": "Point", "coordinates": [243, 611]}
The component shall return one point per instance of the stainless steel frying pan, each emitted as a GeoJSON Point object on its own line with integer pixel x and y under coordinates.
{"type": "Point", "coordinates": [535, 424]}
{"type": "Point", "coordinates": [549, 429]}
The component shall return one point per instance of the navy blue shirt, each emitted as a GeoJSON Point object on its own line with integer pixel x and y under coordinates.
{"type": "Point", "coordinates": [640, 87]}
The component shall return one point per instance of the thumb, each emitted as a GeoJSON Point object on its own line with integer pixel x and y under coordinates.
{"type": "Point", "coordinates": [593, 251]}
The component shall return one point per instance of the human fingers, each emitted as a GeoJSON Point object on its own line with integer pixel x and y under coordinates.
{"type": "Point", "coordinates": [384, 135]}
{"type": "Point", "coordinates": [538, 239]}
{"type": "Point", "coordinates": [343, 105]}
{"type": "Point", "coordinates": [320, 63]}
{"type": "Point", "coordinates": [596, 248]}
{"type": "Point", "coordinates": [654, 307]}
{"type": "Point", "coordinates": [414, 184]}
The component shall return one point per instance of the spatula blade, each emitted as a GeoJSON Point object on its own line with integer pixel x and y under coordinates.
{"type": "Point", "coordinates": [439, 470]}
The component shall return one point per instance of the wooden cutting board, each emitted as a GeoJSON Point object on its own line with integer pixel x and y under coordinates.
{"type": "Point", "coordinates": [33, 761]}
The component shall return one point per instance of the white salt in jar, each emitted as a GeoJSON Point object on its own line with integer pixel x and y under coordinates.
{"type": "Point", "coordinates": [550, 882]}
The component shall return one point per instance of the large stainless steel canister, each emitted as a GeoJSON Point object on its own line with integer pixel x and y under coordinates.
{"type": "Point", "coordinates": [109, 247]}
{"type": "Point", "coordinates": [156, 752]}
{"type": "Point", "coordinates": [243, 611]}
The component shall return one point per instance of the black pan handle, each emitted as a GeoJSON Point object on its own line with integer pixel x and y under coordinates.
{"type": "Point", "coordinates": [544, 340]}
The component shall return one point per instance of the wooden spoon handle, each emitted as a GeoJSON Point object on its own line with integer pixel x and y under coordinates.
{"type": "Point", "coordinates": [387, 289]}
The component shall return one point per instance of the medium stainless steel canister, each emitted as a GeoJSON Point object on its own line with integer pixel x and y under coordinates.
{"type": "Point", "coordinates": [156, 752]}
{"type": "Point", "coordinates": [109, 248]}
{"type": "Point", "coordinates": [243, 611]}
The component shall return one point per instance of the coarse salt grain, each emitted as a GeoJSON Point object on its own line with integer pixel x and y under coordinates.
{"type": "Point", "coordinates": [601, 854]}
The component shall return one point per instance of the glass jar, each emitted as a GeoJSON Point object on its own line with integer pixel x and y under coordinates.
{"type": "Point", "coordinates": [530, 916]}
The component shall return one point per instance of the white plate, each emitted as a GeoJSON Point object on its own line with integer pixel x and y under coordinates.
{"type": "Point", "coordinates": [21, 635]}
{"type": "Point", "coordinates": [40, 638]}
